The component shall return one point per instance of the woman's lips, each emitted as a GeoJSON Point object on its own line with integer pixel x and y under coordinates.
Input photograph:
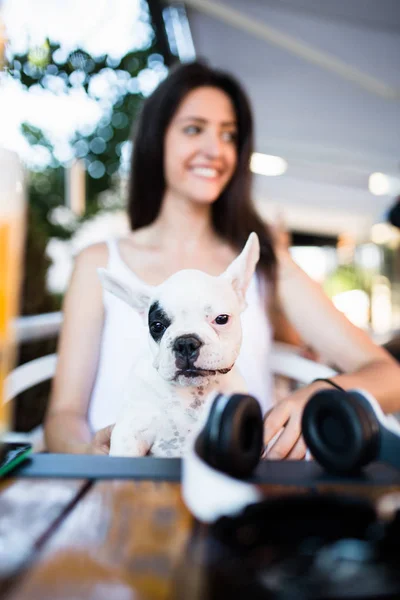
{"type": "Point", "coordinates": [206, 172]}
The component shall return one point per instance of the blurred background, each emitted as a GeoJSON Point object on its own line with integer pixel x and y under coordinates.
{"type": "Point", "coordinates": [324, 81]}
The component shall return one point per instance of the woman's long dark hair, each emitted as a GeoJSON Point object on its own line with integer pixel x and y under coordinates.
{"type": "Point", "coordinates": [234, 216]}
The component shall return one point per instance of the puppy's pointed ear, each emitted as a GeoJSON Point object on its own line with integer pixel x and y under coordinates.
{"type": "Point", "coordinates": [137, 295]}
{"type": "Point", "coordinates": [241, 270]}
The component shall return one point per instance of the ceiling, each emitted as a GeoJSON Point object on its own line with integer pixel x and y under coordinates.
{"type": "Point", "coordinates": [324, 81]}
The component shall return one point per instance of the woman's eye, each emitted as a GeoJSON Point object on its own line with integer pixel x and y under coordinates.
{"type": "Point", "coordinates": [192, 129]}
{"type": "Point", "coordinates": [222, 319]}
{"type": "Point", "coordinates": [229, 136]}
{"type": "Point", "coordinates": [157, 327]}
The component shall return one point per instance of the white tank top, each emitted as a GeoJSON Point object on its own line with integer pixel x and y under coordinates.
{"type": "Point", "coordinates": [124, 339]}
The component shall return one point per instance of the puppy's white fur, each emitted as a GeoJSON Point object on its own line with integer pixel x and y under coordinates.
{"type": "Point", "coordinates": [165, 402]}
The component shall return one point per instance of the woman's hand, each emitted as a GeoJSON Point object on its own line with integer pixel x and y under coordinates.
{"type": "Point", "coordinates": [285, 417]}
{"type": "Point", "coordinates": [100, 443]}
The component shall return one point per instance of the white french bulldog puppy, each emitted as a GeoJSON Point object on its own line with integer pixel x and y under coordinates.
{"type": "Point", "coordinates": [195, 334]}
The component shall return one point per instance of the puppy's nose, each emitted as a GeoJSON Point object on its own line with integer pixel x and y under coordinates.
{"type": "Point", "coordinates": [187, 347]}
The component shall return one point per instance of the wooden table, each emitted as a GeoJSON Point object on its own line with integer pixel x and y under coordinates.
{"type": "Point", "coordinates": [124, 538]}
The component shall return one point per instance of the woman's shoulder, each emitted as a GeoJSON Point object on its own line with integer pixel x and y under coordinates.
{"type": "Point", "coordinates": [95, 255]}
{"type": "Point", "coordinates": [85, 282]}
{"type": "Point", "coordinates": [115, 251]}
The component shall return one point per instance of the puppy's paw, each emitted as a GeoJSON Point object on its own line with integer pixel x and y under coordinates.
{"type": "Point", "coordinates": [127, 445]}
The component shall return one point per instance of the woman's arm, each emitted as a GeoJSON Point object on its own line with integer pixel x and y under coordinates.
{"type": "Point", "coordinates": [341, 344]}
{"type": "Point", "coordinates": [283, 329]}
{"type": "Point", "coordinates": [336, 339]}
{"type": "Point", "coordinates": [66, 426]}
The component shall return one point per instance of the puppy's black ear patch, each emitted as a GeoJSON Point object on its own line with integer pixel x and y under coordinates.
{"type": "Point", "coordinates": [159, 321]}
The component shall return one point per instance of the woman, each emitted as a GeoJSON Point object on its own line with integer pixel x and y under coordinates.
{"type": "Point", "coordinates": [189, 207]}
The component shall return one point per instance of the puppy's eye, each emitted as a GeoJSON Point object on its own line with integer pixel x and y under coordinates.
{"type": "Point", "coordinates": [157, 328]}
{"type": "Point", "coordinates": [222, 319]}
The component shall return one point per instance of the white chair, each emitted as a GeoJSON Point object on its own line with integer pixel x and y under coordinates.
{"type": "Point", "coordinates": [37, 327]}
{"type": "Point", "coordinates": [22, 378]}
{"type": "Point", "coordinates": [27, 329]}
{"type": "Point", "coordinates": [285, 360]}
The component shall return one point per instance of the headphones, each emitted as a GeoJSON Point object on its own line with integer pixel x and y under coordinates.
{"type": "Point", "coordinates": [343, 430]}
{"type": "Point", "coordinates": [232, 438]}
{"type": "Point", "coordinates": [346, 430]}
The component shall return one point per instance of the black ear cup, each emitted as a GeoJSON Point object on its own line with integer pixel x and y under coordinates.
{"type": "Point", "coordinates": [233, 435]}
{"type": "Point", "coordinates": [341, 430]}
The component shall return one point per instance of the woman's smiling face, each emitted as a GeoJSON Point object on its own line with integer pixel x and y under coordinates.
{"type": "Point", "coordinates": [200, 150]}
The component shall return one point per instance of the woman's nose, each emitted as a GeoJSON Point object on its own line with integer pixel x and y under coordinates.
{"type": "Point", "coordinates": [212, 145]}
